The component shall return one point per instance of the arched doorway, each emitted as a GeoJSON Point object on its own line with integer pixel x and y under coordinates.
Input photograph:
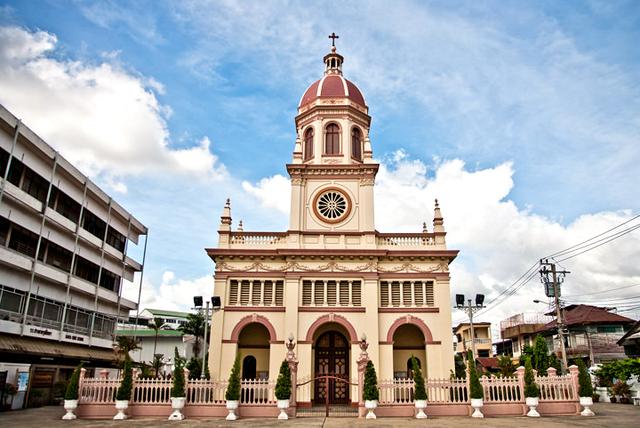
{"type": "Point", "coordinates": [331, 356]}
{"type": "Point", "coordinates": [253, 348]}
{"type": "Point", "coordinates": [408, 341]}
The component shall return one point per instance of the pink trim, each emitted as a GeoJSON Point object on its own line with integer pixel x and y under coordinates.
{"type": "Point", "coordinates": [410, 319]}
{"type": "Point", "coordinates": [249, 319]}
{"type": "Point", "coordinates": [339, 319]}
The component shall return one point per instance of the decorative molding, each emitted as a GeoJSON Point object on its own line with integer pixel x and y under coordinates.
{"type": "Point", "coordinates": [331, 266]}
{"type": "Point", "coordinates": [410, 319]}
{"type": "Point", "coordinates": [338, 319]}
{"type": "Point", "coordinates": [249, 319]}
{"type": "Point", "coordinates": [254, 309]}
{"type": "Point", "coordinates": [331, 308]}
{"type": "Point", "coordinates": [409, 309]}
{"type": "Point", "coordinates": [410, 267]}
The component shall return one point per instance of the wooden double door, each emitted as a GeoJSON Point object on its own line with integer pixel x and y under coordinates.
{"type": "Point", "coordinates": [331, 369]}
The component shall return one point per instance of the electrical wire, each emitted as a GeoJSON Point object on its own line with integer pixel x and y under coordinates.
{"type": "Point", "coordinates": [609, 239]}
{"type": "Point", "coordinates": [601, 292]}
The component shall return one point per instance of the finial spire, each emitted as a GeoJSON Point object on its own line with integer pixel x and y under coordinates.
{"type": "Point", "coordinates": [225, 218]}
{"type": "Point", "coordinates": [438, 220]}
{"type": "Point", "coordinates": [333, 36]}
{"type": "Point", "coordinates": [333, 60]}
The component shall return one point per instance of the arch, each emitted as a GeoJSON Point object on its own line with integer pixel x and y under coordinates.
{"type": "Point", "coordinates": [356, 143]}
{"type": "Point", "coordinates": [332, 139]}
{"type": "Point", "coordinates": [410, 319]}
{"type": "Point", "coordinates": [235, 334]}
{"type": "Point", "coordinates": [249, 364]}
{"type": "Point", "coordinates": [338, 319]}
{"type": "Point", "coordinates": [308, 143]}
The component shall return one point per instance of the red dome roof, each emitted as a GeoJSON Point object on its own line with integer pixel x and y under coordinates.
{"type": "Point", "coordinates": [332, 86]}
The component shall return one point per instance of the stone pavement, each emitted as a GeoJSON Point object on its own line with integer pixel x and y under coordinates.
{"type": "Point", "coordinates": [608, 416]}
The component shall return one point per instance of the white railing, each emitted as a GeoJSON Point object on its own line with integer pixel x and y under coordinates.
{"type": "Point", "coordinates": [449, 391]}
{"type": "Point", "coordinates": [501, 389]}
{"type": "Point", "coordinates": [556, 388]}
{"type": "Point", "coordinates": [408, 240]}
{"type": "Point", "coordinates": [151, 391]}
{"type": "Point", "coordinates": [202, 392]}
{"type": "Point", "coordinates": [257, 392]}
{"type": "Point", "coordinates": [257, 239]}
{"type": "Point", "coordinates": [98, 391]}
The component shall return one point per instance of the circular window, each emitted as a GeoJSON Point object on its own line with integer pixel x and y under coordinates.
{"type": "Point", "coordinates": [332, 205]}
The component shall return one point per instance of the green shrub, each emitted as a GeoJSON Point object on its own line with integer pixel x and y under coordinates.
{"type": "Point", "coordinates": [474, 382]}
{"type": "Point", "coordinates": [233, 389]}
{"type": "Point", "coordinates": [420, 393]}
{"type": "Point", "coordinates": [74, 383]}
{"type": "Point", "coordinates": [178, 390]}
{"type": "Point", "coordinates": [283, 384]}
{"type": "Point", "coordinates": [194, 365]}
{"type": "Point", "coordinates": [586, 389]}
{"type": "Point", "coordinates": [540, 356]}
{"type": "Point", "coordinates": [530, 388]}
{"type": "Point", "coordinates": [370, 383]}
{"type": "Point", "coordinates": [126, 385]}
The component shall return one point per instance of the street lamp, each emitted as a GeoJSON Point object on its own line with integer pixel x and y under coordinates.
{"type": "Point", "coordinates": [215, 306]}
{"type": "Point", "coordinates": [469, 308]}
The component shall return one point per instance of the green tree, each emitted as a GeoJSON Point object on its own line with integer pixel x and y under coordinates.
{"type": "Point", "coordinates": [158, 361]}
{"type": "Point", "coordinates": [505, 363]}
{"type": "Point", "coordinates": [194, 365]}
{"type": "Point", "coordinates": [178, 390]}
{"type": "Point", "coordinates": [584, 379]}
{"type": "Point", "coordinates": [194, 327]}
{"type": "Point", "coordinates": [530, 388]}
{"type": "Point", "coordinates": [474, 381]}
{"type": "Point", "coordinates": [420, 392]}
{"type": "Point", "coordinates": [540, 356]}
{"type": "Point", "coordinates": [233, 388]}
{"type": "Point", "coordinates": [554, 362]}
{"type": "Point", "coordinates": [283, 384]}
{"type": "Point", "coordinates": [460, 372]}
{"type": "Point", "coordinates": [124, 345]}
{"type": "Point", "coordinates": [527, 351]}
{"type": "Point", "coordinates": [126, 385]}
{"type": "Point", "coordinates": [370, 383]}
{"type": "Point", "coordinates": [156, 325]}
{"type": "Point", "coordinates": [74, 383]}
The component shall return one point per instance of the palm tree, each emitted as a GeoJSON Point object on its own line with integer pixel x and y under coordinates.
{"type": "Point", "coordinates": [156, 324]}
{"type": "Point", "coordinates": [124, 345]}
{"type": "Point", "coordinates": [195, 327]}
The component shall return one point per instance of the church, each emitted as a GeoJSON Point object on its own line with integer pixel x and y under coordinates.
{"type": "Point", "coordinates": [332, 280]}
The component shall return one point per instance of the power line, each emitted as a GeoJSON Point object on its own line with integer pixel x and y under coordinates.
{"type": "Point", "coordinates": [609, 239]}
{"type": "Point", "coordinates": [602, 292]}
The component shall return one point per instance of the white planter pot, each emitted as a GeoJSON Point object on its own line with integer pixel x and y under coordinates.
{"type": "Point", "coordinates": [283, 405]}
{"type": "Point", "coordinates": [121, 406]}
{"type": "Point", "coordinates": [177, 404]}
{"type": "Point", "coordinates": [476, 404]}
{"type": "Point", "coordinates": [70, 406]}
{"type": "Point", "coordinates": [370, 405]}
{"type": "Point", "coordinates": [421, 405]}
{"type": "Point", "coordinates": [586, 402]}
{"type": "Point", "coordinates": [532, 402]}
{"type": "Point", "coordinates": [232, 406]}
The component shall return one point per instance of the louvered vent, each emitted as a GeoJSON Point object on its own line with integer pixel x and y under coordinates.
{"type": "Point", "coordinates": [318, 298]}
{"type": "Point", "coordinates": [268, 293]}
{"type": "Point", "coordinates": [356, 297]}
{"type": "Point", "coordinates": [395, 293]}
{"type": "Point", "coordinates": [244, 292]}
{"type": "Point", "coordinates": [279, 293]}
{"type": "Point", "coordinates": [418, 292]}
{"type": "Point", "coordinates": [306, 293]}
{"type": "Point", "coordinates": [331, 293]}
{"type": "Point", "coordinates": [344, 293]}
{"type": "Point", "coordinates": [256, 293]}
{"type": "Point", "coordinates": [406, 293]}
{"type": "Point", "coordinates": [233, 292]}
{"type": "Point", "coordinates": [429, 298]}
{"type": "Point", "coordinates": [384, 294]}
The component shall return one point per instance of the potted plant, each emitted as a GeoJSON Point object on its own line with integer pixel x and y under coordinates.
{"type": "Point", "coordinates": [585, 390]}
{"type": "Point", "coordinates": [531, 390]}
{"type": "Point", "coordinates": [622, 390]}
{"type": "Point", "coordinates": [71, 394]}
{"type": "Point", "coordinates": [476, 392]}
{"type": "Point", "coordinates": [124, 391]}
{"type": "Point", "coordinates": [233, 390]}
{"type": "Point", "coordinates": [178, 394]}
{"type": "Point", "coordinates": [420, 393]}
{"type": "Point", "coordinates": [370, 393]}
{"type": "Point", "coordinates": [595, 397]}
{"type": "Point", "coordinates": [283, 389]}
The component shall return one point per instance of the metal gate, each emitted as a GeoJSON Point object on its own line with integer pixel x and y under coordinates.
{"type": "Point", "coordinates": [326, 402]}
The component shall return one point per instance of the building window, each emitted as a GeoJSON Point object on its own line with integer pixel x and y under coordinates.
{"type": "Point", "coordinates": [332, 140]}
{"type": "Point", "coordinates": [35, 185]}
{"type": "Point", "coordinates": [23, 240]}
{"type": "Point", "coordinates": [11, 300]}
{"type": "Point", "coordinates": [406, 293]}
{"type": "Point", "coordinates": [308, 144]}
{"type": "Point", "coordinates": [331, 293]}
{"type": "Point", "coordinates": [4, 231]}
{"type": "Point", "coordinates": [356, 144]}
{"type": "Point", "coordinates": [116, 239]}
{"type": "Point", "coordinates": [94, 225]}
{"type": "Point", "coordinates": [55, 255]}
{"type": "Point", "coordinates": [256, 293]}
{"type": "Point", "coordinates": [110, 281]}
{"type": "Point", "coordinates": [64, 205]}
{"type": "Point", "coordinates": [86, 270]}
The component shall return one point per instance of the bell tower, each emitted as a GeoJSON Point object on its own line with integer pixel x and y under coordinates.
{"type": "Point", "coordinates": [332, 170]}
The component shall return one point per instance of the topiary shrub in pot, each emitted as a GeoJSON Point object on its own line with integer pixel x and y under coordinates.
{"type": "Point", "coordinates": [370, 393]}
{"type": "Point", "coordinates": [283, 389]}
{"type": "Point", "coordinates": [124, 391]}
{"type": "Point", "coordinates": [233, 390]}
{"type": "Point", "coordinates": [178, 390]}
{"type": "Point", "coordinates": [476, 393]}
{"type": "Point", "coordinates": [585, 390]}
{"type": "Point", "coordinates": [420, 392]}
{"type": "Point", "coordinates": [71, 394]}
{"type": "Point", "coordinates": [531, 390]}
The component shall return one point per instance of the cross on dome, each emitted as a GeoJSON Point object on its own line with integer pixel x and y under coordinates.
{"type": "Point", "coordinates": [333, 38]}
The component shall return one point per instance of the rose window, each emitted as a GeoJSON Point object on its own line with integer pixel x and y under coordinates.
{"type": "Point", "coordinates": [332, 205]}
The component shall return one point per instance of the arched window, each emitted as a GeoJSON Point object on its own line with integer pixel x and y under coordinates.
{"type": "Point", "coordinates": [356, 144]}
{"type": "Point", "coordinates": [332, 140]}
{"type": "Point", "coordinates": [308, 144]}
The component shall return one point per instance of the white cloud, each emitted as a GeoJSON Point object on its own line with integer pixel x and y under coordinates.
{"type": "Point", "coordinates": [102, 118]}
{"type": "Point", "coordinates": [498, 241]}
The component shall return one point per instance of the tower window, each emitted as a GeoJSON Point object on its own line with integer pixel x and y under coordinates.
{"type": "Point", "coordinates": [308, 144]}
{"type": "Point", "coordinates": [356, 144]}
{"type": "Point", "coordinates": [332, 140]}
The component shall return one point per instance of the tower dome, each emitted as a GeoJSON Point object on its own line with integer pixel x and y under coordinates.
{"type": "Point", "coordinates": [332, 84]}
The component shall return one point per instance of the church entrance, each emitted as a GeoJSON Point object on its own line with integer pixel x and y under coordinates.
{"type": "Point", "coordinates": [331, 369]}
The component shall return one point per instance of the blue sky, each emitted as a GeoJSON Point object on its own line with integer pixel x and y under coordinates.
{"type": "Point", "coordinates": [529, 109]}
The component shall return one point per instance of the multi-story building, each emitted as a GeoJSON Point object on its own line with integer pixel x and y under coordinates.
{"type": "Point", "coordinates": [332, 278]}
{"type": "Point", "coordinates": [482, 339]}
{"type": "Point", "coordinates": [63, 258]}
{"type": "Point", "coordinates": [519, 331]}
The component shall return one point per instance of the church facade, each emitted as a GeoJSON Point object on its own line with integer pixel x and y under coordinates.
{"type": "Point", "coordinates": [332, 279]}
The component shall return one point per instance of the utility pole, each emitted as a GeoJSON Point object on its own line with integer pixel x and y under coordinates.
{"type": "Point", "coordinates": [552, 280]}
{"type": "Point", "coordinates": [204, 348]}
{"type": "Point", "coordinates": [469, 309]}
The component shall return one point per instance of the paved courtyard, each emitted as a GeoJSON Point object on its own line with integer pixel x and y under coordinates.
{"type": "Point", "coordinates": [609, 416]}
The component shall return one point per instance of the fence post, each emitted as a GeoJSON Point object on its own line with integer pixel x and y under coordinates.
{"type": "Point", "coordinates": [104, 374]}
{"type": "Point", "coordinates": [551, 372]}
{"type": "Point", "coordinates": [293, 367]}
{"type": "Point", "coordinates": [573, 372]}
{"type": "Point", "coordinates": [520, 375]}
{"type": "Point", "coordinates": [362, 365]}
{"type": "Point", "coordinates": [83, 373]}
